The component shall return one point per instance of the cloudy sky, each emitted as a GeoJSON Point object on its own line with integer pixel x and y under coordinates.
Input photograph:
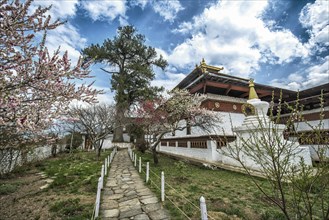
{"type": "Point", "coordinates": [281, 43]}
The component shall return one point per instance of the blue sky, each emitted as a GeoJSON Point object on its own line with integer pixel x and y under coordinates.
{"type": "Point", "coordinates": [281, 43]}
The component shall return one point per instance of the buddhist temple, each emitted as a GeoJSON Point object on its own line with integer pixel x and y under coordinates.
{"type": "Point", "coordinates": [227, 95]}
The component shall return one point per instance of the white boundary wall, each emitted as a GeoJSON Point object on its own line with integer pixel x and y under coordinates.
{"type": "Point", "coordinates": [10, 159]}
{"type": "Point", "coordinates": [210, 154]}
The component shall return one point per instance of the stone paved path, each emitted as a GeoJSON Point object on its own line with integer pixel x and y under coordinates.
{"type": "Point", "coordinates": [126, 197]}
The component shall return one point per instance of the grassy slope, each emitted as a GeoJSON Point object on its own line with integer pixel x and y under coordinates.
{"type": "Point", "coordinates": [228, 195]}
{"type": "Point", "coordinates": [72, 193]}
{"type": "Point", "coordinates": [75, 174]}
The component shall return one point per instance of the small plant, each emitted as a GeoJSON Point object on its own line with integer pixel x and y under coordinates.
{"type": "Point", "coordinates": [7, 188]}
{"type": "Point", "coordinates": [180, 165]}
{"type": "Point", "coordinates": [70, 209]}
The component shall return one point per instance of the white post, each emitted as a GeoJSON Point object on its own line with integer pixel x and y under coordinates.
{"type": "Point", "coordinates": [108, 160]}
{"type": "Point", "coordinates": [102, 176]}
{"type": "Point", "coordinates": [162, 187]}
{"type": "Point", "coordinates": [111, 157]}
{"type": "Point", "coordinates": [105, 166]}
{"type": "Point", "coordinates": [135, 160]}
{"type": "Point", "coordinates": [147, 171]}
{"type": "Point", "coordinates": [133, 156]}
{"type": "Point", "coordinates": [140, 165]}
{"type": "Point", "coordinates": [98, 196]}
{"type": "Point", "coordinates": [203, 208]}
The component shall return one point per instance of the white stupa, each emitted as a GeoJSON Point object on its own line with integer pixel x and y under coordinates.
{"type": "Point", "coordinates": [258, 130]}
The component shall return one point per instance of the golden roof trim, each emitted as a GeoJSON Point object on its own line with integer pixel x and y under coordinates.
{"type": "Point", "coordinates": [205, 66]}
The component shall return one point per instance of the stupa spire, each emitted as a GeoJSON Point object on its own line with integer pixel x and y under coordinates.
{"type": "Point", "coordinates": [252, 91]}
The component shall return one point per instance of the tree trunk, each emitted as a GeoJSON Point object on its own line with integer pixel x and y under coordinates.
{"type": "Point", "coordinates": [97, 149]}
{"type": "Point", "coordinates": [54, 150]}
{"type": "Point", "coordinates": [154, 147]}
{"type": "Point", "coordinates": [71, 143]}
{"type": "Point", "coordinates": [141, 143]}
{"type": "Point", "coordinates": [118, 134]}
{"type": "Point", "coordinates": [119, 123]}
{"type": "Point", "coordinates": [98, 153]}
{"type": "Point", "coordinates": [155, 156]}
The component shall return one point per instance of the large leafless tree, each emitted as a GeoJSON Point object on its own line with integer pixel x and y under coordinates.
{"type": "Point", "coordinates": [96, 121]}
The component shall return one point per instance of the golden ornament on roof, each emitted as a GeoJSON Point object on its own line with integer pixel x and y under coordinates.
{"type": "Point", "coordinates": [252, 91]}
{"type": "Point", "coordinates": [248, 109]}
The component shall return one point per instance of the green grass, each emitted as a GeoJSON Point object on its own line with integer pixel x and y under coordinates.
{"type": "Point", "coordinates": [72, 193]}
{"type": "Point", "coordinates": [7, 188]}
{"type": "Point", "coordinates": [225, 192]}
{"type": "Point", "coordinates": [77, 173]}
{"type": "Point", "coordinates": [71, 209]}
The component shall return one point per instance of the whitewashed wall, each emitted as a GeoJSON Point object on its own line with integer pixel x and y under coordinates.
{"type": "Point", "coordinates": [222, 128]}
{"type": "Point", "coordinates": [122, 145]}
{"type": "Point", "coordinates": [303, 126]}
{"type": "Point", "coordinates": [107, 144]}
{"type": "Point", "coordinates": [210, 154]}
{"type": "Point", "coordinates": [9, 159]}
{"type": "Point", "coordinates": [314, 149]}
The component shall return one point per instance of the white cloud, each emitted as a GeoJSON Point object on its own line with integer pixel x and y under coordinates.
{"type": "Point", "coordinates": [168, 80]}
{"type": "Point", "coordinates": [295, 77]}
{"type": "Point", "coordinates": [59, 9]}
{"type": "Point", "coordinates": [232, 34]}
{"type": "Point", "coordinates": [123, 21]}
{"type": "Point", "coordinates": [307, 78]}
{"type": "Point", "coordinates": [141, 3]}
{"type": "Point", "coordinates": [168, 9]}
{"type": "Point", "coordinates": [111, 9]}
{"type": "Point", "coordinates": [68, 38]}
{"type": "Point", "coordinates": [106, 98]}
{"type": "Point", "coordinates": [315, 17]}
{"type": "Point", "coordinates": [318, 74]}
{"type": "Point", "coordinates": [159, 52]}
{"type": "Point", "coordinates": [101, 10]}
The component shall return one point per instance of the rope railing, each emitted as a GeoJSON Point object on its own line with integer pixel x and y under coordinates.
{"type": "Point", "coordinates": [155, 185]}
{"type": "Point", "coordinates": [104, 171]}
{"type": "Point", "coordinates": [178, 208]}
{"type": "Point", "coordinates": [155, 174]}
{"type": "Point", "coordinates": [202, 209]}
{"type": "Point", "coordinates": [92, 217]}
{"type": "Point", "coordinates": [183, 196]}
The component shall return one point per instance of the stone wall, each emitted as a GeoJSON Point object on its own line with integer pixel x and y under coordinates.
{"type": "Point", "coordinates": [122, 145]}
{"type": "Point", "coordinates": [10, 158]}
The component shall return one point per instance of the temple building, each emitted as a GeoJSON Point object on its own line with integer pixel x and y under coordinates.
{"type": "Point", "coordinates": [227, 95]}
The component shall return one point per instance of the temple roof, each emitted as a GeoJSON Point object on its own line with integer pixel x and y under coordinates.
{"type": "Point", "coordinates": [209, 79]}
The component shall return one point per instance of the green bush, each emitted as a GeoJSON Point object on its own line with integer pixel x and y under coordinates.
{"type": "Point", "coordinates": [272, 215]}
{"type": "Point", "coordinates": [71, 209]}
{"type": "Point", "coordinates": [7, 188]}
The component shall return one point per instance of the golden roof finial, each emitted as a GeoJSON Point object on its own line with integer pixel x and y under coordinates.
{"type": "Point", "coordinates": [203, 66]}
{"type": "Point", "coordinates": [203, 62]}
{"type": "Point", "coordinates": [252, 91]}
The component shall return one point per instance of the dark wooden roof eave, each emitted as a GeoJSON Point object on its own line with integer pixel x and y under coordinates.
{"type": "Point", "coordinates": [196, 72]}
{"type": "Point", "coordinates": [314, 90]}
